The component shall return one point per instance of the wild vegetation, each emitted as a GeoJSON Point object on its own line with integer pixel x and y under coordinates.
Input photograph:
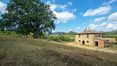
{"type": "Point", "coordinates": [61, 38]}
{"type": "Point", "coordinates": [113, 46]}
{"type": "Point", "coordinates": [30, 52]}
{"type": "Point", "coordinates": [111, 34]}
{"type": "Point", "coordinates": [114, 32]}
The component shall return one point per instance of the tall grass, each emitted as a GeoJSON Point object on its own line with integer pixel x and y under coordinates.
{"type": "Point", "coordinates": [30, 52]}
{"type": "Point", "coordinates": [13, 35]}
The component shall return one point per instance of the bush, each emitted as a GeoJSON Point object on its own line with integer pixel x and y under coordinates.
{"type": "Point", "coordinates": [13, 34]}
{"type": "Point", "coordinates": [59, 38]}
{"type": "Point", "coordinates": [110, 36]}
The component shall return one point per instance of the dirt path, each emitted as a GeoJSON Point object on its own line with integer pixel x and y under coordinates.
{"type": "Point", "coordinates": [91, 48]}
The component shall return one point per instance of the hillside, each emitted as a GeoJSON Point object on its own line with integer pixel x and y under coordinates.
{"type": "Point", "coordinates": [30, 52]}
{"type": "Point", "coordinates": [112, 32]}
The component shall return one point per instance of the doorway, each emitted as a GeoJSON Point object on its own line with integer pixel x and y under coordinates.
{"type": "Point", "coordinates": [83, 42]}
{"type": "Point", "coordinates": [96, 43]}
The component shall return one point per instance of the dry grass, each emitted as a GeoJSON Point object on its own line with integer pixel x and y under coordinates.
{"type": "Point", "coordinates": [30, 52]}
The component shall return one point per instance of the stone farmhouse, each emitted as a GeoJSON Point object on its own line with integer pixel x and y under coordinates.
{"type": "Point", "coordinates": [91, 38]}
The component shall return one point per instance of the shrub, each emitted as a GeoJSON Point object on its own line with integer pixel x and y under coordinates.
{"type": "Point", "coordinates": [59, 38]}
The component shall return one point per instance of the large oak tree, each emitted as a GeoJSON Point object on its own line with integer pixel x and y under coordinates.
{"type": "Point", "coordinates": [28, 16]}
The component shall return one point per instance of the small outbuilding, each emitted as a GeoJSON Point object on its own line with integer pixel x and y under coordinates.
{"type": "Point", "coordinates": [91, 38]}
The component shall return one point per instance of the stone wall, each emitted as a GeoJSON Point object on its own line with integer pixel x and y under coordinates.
{"type": "Point", "coordinates": [101, 43]}
{"type": "Point", "coordinates": [88, 40]}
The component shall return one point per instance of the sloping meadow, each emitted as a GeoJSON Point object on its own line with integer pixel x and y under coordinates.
{"type": "Point", "coordinates": [30, 52]}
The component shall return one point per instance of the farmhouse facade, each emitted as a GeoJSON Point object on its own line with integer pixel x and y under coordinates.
{"type": "Point", "coordinates": [91, 38]}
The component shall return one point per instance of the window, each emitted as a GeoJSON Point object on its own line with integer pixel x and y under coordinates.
{"type": "Point", "coordinates": [96, 43]}
{"type": "Point", "coordinates": [79, 40]}
{"type": "Point", "coordinates": [99, 35]}
{"type": "Point", "coordinates": [83, 42]}
{"type": "Point", "coordinates": [79, 36]}
{"type": "Point", "coordinates": [87, 35]}
{"type": "Point", "coordinates": [87, 41]}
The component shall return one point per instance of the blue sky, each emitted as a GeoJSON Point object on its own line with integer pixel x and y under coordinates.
{"type": "Point", "coordinates": [76, 15]}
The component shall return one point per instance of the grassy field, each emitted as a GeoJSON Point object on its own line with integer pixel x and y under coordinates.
{"type": "Point", "coordinates": [30, 52]}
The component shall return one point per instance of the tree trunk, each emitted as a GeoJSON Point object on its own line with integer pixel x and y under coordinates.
{"type": "Point", "coordinates": [36, 34]}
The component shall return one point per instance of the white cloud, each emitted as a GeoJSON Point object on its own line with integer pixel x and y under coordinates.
{"type": "Point", "coordinates": [62, 6]}
{"type": "Point", "coordinates": [100, 19]}
{"type": "Point", "coordinates": [2, 7]}
{"type": "Point", "coordinates": [53, 0]}
{"type": "Point", "coordinates": [92, 26]}
{"type": "Point", "coordinates": [98, 11]}
{"type": "Point", "coordinates": [70, 30]}
{"type": "Point", "coordinates": [103, 24]}
{"type": "Point", "coordinates": [110, 2]}
{"type": "Point", "coordinates": [64, 15]}
{"type": "Point", "coordinates": [107, 23]}
{"type": "Point", "coordinates": [77, 28]}
{"type": "Point", "coordinates": [113, 17]}
{"type": "Point", "coordinates": [111, 26]}
{"type": "Point", "coordinates": [53, 7]}
{"type": "Point", "coordinates": [70, 3]}
{"type": "Point", "coordinates": [49, 2]}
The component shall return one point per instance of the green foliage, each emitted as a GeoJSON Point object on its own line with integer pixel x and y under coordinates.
{"type": "Point", "coordinates": [110, 36]}
{"type": "Point", "coordinates": [7, 33]}
{"type": "Point", "coordinates": [111, 33]}
{"type": "Point", "coordinates": [12, 34]}
{"type": "Point", "coordinates": [59, 38]}
{"type": "Point", "coordinates": [113, 46]}
{"type": "Point", "coordinates": [71, 33]}
{"type": "Point", "coordinates": [28, 16]}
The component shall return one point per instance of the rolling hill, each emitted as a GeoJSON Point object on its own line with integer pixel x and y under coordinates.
{"type": "Point", "coordinates": [112, 32]}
